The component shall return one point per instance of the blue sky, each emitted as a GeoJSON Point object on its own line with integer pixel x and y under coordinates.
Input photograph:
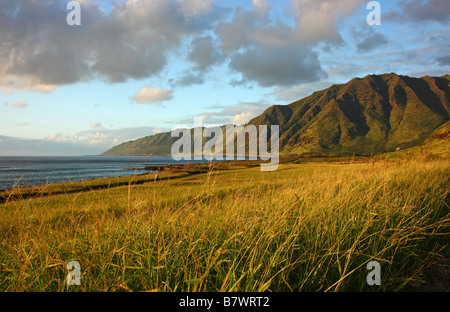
{"type": "Point", "coordinates": [138, 67]}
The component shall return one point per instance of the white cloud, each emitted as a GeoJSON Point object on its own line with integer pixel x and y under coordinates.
{"type": "Point", "coordinates": [221, 114]}
{"type": "Point", "coordinates": [10, 83]}
{"type": "Point", "coordinates": [149, 95]}
{"type": "Point", "coordinates": [292, 94]}
{"type": "Point", "coordinates": [98, 138]}
{"type": "Point", "coordinates": [316, 19]}
{"type": "Point", "coordinates": [39, 51]}
{"type": "Point", "coordinates": [101, 138]}
{"type": "Point", "coordinates": [57, 137]}
{"type": "Point", "coordinates": [21, 104]}
{"type": "Point", "coordinates": [242, 118]}
{"type": "Point", "coordinates": [96, 125]}
{"type": "Point", "coordinates": [137, 37]}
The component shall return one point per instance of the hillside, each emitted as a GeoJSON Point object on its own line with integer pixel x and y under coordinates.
{"type": "Point", "coordinates": [438, 144]}
{"type": "Point", "coordinates": [374, 114]}
{"type": "Point", "coordinates": [154, 145]}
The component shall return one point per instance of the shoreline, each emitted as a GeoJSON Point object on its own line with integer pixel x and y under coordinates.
{"type": "Point", "coordinates": [170, 171]}
{"type": "Point", "coordinates": [164, 172]}
{"type": "Point", "coordinates": [154, 169]}
{"type": "Point", "coordinates": [304, 205]}
{"type": "Point", "coordinates": [100, 183]}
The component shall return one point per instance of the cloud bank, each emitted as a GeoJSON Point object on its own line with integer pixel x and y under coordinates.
{"type": "Point", "coordinates": [136, 39]}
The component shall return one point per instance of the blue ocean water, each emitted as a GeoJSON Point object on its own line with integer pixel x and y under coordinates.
{"type": "Point", "coordinates": [36, 170]}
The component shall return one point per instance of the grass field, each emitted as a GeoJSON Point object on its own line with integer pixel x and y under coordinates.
{"type": "Point", "coordinates": [310, 226]}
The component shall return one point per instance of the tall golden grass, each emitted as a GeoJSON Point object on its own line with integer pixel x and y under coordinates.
{"type": "Point", "coordinates": [305, 227]}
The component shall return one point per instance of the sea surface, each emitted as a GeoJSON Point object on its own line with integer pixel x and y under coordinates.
{"type": "Point", "coordinates": [33, 170]}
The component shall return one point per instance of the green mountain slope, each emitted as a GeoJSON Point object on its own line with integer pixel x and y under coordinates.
{"type": "Point", "coordinates": [158, 144]}
{"type": "Point", "coordinates": [367, 115]}
{"type": "Point", "coordinates": [438, 144]}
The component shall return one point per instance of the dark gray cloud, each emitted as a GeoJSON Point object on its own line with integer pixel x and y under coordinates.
{"type": "Point", "coordinates": [421, 10]}
{"type": "Point", "coordinates": [132, 42]}
{"type": "Point", "coordinates": [188, 79]}
{"type": "Point", "coordinates": [267, 51]}
{"type": "Point", "coordinates": [204, 53]}
{"type": "Point", "coordinates": [369, 40]}
{"type": "Point", "coordinates": [136, 39]}
{"type": "Point", "coordinates": [443, 60]}
{"type": "Point", "coordinates": [39, 46]}
{"type": "Point", "coordinates": [236, 33]}
{"type": "Point", "coordinates": [278, 66]}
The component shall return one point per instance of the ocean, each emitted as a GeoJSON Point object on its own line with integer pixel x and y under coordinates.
{"type": "Point", "coordinates": [36, 170]}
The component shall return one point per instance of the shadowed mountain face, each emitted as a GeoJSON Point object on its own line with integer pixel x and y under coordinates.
{"type": "Point", "coordinates": [367, 115]}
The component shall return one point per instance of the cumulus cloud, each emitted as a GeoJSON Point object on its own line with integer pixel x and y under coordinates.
{"type": "Point", "coordinates": [271, 53]}
{"type": "Point", "coordinates": [136, 38]}
{"type": "Point", "coordinates": [369, 40]}
{"type": "Point", "coordinates": [188, 79]}
{"type": "Point", "coordinates": [39, 51]}
{"type": "Point", "coordinates": [242, 118]}
{"type": "Point", "coordinates": [278, 66]}
{"type": "Point", "coordinates": [317, 19]}
{"type": "Point", "coordinates": [10, 83]}
{"type": "Point", "coordinates": [240, 113]}
{"type": "Point", "coordinates": [204, 53]}
{"type": "Point", "coordinates": [249, 27]}
{"type": "Point", "coordinates": [57, 137]}
{"type": "Point", "coordinates": [150, 95]}
{"type": "Point", "coordinates": [195, 8]}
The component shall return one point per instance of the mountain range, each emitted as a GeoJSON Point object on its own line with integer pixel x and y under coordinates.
{"type": "Point", "coordinates": [369, 115]}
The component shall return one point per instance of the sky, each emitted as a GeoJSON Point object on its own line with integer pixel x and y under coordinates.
{"type": "Point", "coordinates": [140, 67]}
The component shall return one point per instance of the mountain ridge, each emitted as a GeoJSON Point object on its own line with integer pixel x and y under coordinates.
{"type": "Point", "coordinates": [369, 115]}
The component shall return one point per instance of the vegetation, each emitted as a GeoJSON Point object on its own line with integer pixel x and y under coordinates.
{"type": "Point", "coordinates": [437, 145]}
{"type": "Point", "coordinates": [370, 115]}
{"type": "Point", "coordinates": [313, 225]}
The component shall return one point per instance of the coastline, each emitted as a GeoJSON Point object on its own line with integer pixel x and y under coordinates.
{"type": "Point", "coordinates": [31, 171]}
{"type": "Point", "coordinates": [94, 184]}
{"type": "Point", "coordinates": [161, 173]}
